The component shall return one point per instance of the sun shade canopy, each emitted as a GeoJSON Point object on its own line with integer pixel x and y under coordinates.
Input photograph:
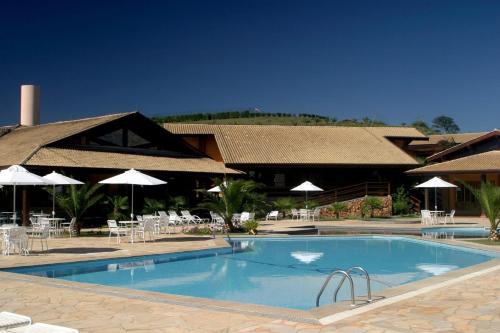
{"type": "Point", "coordinates": [133, 177]}
{"type": "Point", "coordinates": [58, 179]}
{"type": "Point", "coordinates": [307, 186]}
{"type": "Point", "coordinates": [17, 175]}
{"type": "Point", "coordinates": [435, 182]}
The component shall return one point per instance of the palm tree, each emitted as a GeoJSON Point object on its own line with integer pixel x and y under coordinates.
{"type": "Point", "coordinates": [235, 196]}
{"type": "Point", "coordinates": [117, 204]}
{"type": "Point", "coordinates": [151, 206]}
{"type": "Point", "coordinates": [488, 196]}
{"type": "Point", "coordinates": [78, 201]}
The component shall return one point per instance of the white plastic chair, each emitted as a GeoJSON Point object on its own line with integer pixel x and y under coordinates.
{"type": "Point", "coordinates": [316, 214]}
{"type": "Point", "coordinates": [15, 239]}
{"type": "Point", "coordinates": [273, 215]}
{"type": "Point", "coordinates": [146, 227]}
{"type": "Point", "coordinates": [42, 233]}
{"type": "Point", "coordinates": [450, 217]}
{"type": "Point", "coordinates": [163, 221]}
{"type": "Point", "coordinates": [426, 217]}
{"type": "Point", "coordinates": [295, 214]}
{"type": "Point", "coordinates": [304, 214]}
{"type": "Point", "coordinates": [217, 222]}
{"type": "Point", "coordinates": [115, 230]}
{"type": "Point", "coordinates": [69, 226]}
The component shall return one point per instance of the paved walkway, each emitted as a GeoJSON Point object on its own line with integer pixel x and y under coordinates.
{"type": "Point", "coordinates": [470, 306]}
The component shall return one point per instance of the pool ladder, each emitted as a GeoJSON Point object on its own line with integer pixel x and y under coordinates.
{"type": "Point", "coordinates": [346, 274]}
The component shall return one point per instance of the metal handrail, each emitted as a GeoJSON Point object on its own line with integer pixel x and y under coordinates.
{"type": "Point", "coordinates": [345, 275]}
{"type": "Point", "coordinates": [368, 283]}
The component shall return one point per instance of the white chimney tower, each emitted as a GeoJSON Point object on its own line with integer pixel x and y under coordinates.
{"type": "Point", "coordinates": [30, 105]}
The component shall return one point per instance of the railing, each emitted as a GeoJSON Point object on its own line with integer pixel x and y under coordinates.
{"type": "Point", "coordinates": [346, 275]}
{"type": "Point", "coordinates": [415, 204]}
{"type": "Point", "coordinates": [351, 192]}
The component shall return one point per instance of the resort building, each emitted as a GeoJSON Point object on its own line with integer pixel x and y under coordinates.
{"type": "Point", "coordinates": [472, 161]}
{"type": "Point", "coordinates": [331, 157]}
{"type": "Point", "coordinates": [95, 148]}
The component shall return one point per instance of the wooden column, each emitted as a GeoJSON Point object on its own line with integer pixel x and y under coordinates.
{"type": "Point", "coordinates": [25, 212]}
{"type": "Point", "coordinates": [426, 198]}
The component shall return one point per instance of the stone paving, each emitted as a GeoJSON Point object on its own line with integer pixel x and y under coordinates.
{"type": "Point", "coordinates": [469, 306]}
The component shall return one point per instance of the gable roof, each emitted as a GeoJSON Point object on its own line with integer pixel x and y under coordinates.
{"type": "Point", "coordinates": [483, 163]}
{"type": "Point", "coordinates": [27, 140]}
{"type": "Point", "coordinates": [485, 136]}
{"type": "Point", "coordinates": [299, 145]}
{"type": "Point", "coordinates": [32, 145]}
{"type": "Point", "coordinates": [457, 138]}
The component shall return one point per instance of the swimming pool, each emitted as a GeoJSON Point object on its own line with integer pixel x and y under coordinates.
{"type": "Point", "coordinates": [284, 272]}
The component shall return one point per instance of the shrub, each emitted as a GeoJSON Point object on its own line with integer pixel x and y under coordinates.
{"type": "Point", "coordinates": [151, 206]}
{"type": "Point", "coordinates": [251, 227]}
{"type": "Point", "coordinates": [312, 204]}
{"type": "Point", "coordinates": [284, 205]}
{"type": "Point", "coordinates": [401, 202]}
{"type": "Point", "coordinates": [337, 208]}
{"type": "Point", "coordinates": [370, 204]}
{"type": "Point", "coordinates": [118, 205]}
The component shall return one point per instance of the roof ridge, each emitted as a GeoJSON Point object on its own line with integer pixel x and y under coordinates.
{"type": "Point", "coordinates": [282, 125]}
{"type": "Point", "coordinates": [121, 114]}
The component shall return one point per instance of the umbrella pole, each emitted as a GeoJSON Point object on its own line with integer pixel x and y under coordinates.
{"type": "Point", "coordinates": [53, 201]}
{"type": "Point", "coordinates": [132, 211]}
{"type": "Point", "coordinates": [306, 199]}
{"type": "Point", "coordinates": [435, 199]}
{"type": "Point", "coordinates": [14, 215]}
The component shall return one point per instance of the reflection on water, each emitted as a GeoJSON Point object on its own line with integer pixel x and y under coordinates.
{"type": "Point", "coordinates": [306, 257]}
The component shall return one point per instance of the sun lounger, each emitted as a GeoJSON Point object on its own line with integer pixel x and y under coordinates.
{"type": "Point", "coordinates": [10, 320]}
{"type": "Point", "coordinates": [42, 328]}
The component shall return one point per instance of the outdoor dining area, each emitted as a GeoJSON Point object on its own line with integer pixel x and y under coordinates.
{"type": "Point", "coordinates": [44, 226]}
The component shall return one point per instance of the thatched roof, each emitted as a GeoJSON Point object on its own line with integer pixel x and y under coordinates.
{"type": "Point", "coordinates": [305, 145]}
{"type": "Point", "coordinates": [38, 146]}
{"type": "Point", "coordinates": [478, 163]}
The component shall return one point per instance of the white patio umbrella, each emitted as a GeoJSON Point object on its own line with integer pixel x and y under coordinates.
{"type": "Point", "coordinates": [217, 189]}
{"type": "Point", "coordinates": [133, 177]}
{"type": "Point", "coordinates": [58, 179]}
{"type": "Point", "coordinates": [435, 183]}
{"type": "Point", "coordinates": [17, 175]}
{"type": "Point", "coordinates": [307, 186]}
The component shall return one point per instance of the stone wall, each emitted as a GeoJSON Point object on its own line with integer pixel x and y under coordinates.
{"type": "Point", "coordinates": [354, 208]}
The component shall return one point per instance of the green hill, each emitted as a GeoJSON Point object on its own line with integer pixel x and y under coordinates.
{"type": "Point", "coordinates": [260, 118]}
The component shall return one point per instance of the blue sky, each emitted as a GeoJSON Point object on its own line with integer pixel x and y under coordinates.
{"type": "Point", "coordinates": [396, 61]}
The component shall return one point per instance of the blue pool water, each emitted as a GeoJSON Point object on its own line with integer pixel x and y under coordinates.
{"type": "Point", "coordinates": [285, 272]}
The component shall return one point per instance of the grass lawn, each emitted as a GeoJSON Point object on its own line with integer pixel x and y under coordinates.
{"type": "Point", "coordinates": [485, 242]}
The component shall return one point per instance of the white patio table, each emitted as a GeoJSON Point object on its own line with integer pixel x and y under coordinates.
{"type": "Point", "coordinates": [130, 224]}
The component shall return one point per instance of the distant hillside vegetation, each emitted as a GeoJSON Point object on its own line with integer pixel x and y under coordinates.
{"type": "Point", "coordinates": [262, 118]}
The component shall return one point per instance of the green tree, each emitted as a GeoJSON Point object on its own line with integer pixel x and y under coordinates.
{"type": "Point", "coordinates": [337, 208]}
{"type": "Point", "coordinates": [445, 124]}
{"type": "Point", "coordinates": [117, 206]}
{"type": "Point", "coordinates": [488, 196]}
{"type": "Point", "coordinates": [370, 204]}
{"type": "Point", "coordinates": [401, 202]}
{"type": "Point", "coordinates": [235, 196]}
{"type": "Point", "coordinates": [78, 200]}
{"type": "Point", "coordinates": [423, 127]}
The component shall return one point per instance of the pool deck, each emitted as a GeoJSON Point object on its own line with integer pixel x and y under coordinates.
{"type": "Point", "coordinates": [461, 301]}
